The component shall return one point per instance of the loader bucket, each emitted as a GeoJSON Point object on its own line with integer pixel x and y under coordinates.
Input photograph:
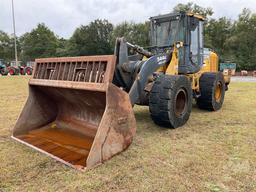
{"type": "Point", "coordinates": [74, 113]}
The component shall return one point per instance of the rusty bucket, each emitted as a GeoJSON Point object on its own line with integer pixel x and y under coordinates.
{"type": "Point", "coordinates": [74, 113]}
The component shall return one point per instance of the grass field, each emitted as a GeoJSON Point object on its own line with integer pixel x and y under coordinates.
{"type": "Point", "coordinates": [214, 151]}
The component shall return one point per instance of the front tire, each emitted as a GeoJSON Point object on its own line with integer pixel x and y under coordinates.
{"type": "Point", "coordinates": [28, 70]}
{"type": "Point", "coordinates": [212, 88]}
{"type": "Point", "coordinates": [3, 71]}
{"type": "Point", "coordinates": [13, 71]}
{"type": "Point", "coordinates": [170, 100]}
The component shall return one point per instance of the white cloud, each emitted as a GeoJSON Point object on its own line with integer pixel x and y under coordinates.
{"type": "Point", "coordinates": [63, 16]}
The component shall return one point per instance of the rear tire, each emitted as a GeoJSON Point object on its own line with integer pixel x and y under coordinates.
{"type": "Point", "coordinates": [212, 88]}
{"type": "Point", "coordinates": [3, 71]}
{"type": "Point", "coordinates": [13, 71]}
{"type": "Point", "coordinates": [170, 100]}
{"type": "Point", "coordinates": [28, 70]}
{"type": "Point", "coordinates": [22, 71]}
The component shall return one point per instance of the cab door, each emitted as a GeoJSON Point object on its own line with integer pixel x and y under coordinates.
{"type": "Point", "coordinates": [196, 41]}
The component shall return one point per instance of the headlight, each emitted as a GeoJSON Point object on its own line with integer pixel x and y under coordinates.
{"type": "Point", "coordinates": [179, 44]}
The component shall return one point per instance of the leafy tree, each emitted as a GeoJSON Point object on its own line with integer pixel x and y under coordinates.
{"type": "Point", "coordinates": [7, 47]}
{"type": "Point", "coordinates": [62, 47]}
{"type": "Point", "coordinates": [40, 42]}
{"type": "Point", "coordinates": [134, 33]}
{"type": "Point", "coordinates": [216, 34]}
{"type": "Point", "coordinates": [194, 8]}
{"type": "Point", "coordinates": [93, 39]}
{"type": "Point", "coordinates": [242, 41]}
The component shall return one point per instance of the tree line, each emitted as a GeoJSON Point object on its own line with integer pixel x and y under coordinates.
{"type": "Point", "coordinates": [233, 40]}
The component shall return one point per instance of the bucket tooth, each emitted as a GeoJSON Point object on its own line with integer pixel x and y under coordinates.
{"type": "Point", "coordinates": [74, 113]}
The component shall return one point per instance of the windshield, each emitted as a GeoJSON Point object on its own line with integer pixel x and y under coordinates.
{"type": "Point", "coordinates": [165, 33]}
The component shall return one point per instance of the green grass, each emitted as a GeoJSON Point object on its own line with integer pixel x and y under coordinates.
{"type": "Point", "coordinates": [214, 151]}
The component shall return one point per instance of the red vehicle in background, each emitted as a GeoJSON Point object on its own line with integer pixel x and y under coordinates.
{"type": "Point", "coordinates": [16, 69]}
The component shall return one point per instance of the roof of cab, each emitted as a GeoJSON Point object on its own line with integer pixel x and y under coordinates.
{"type": "Point", "coordinates": [166, 16]}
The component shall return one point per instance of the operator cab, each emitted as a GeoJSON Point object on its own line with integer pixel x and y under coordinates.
{"type": "Point", "coordinates": [179, 28]}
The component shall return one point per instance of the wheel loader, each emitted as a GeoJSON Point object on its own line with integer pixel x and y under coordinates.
{"type": "Point", "coordinates": [79, 109]}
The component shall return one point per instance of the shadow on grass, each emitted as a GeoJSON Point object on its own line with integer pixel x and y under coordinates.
{"type": "Point", "coordinates": [147, 128]}
{"type": "Point", "coordinates": [142, 113]}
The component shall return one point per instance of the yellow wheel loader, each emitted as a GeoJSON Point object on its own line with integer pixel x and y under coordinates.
{"type": "Point", "coordinates": [79, 109]}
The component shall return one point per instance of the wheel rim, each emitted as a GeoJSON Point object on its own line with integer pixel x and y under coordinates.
{"type": "Point", "coordinates": [218, 92]}
{"type": "Point", "coordinates": [180, 102]}
{"type": "Point", "coordinates": [28, 72]}
{"type": "Point", "coordinates": [11, 71]}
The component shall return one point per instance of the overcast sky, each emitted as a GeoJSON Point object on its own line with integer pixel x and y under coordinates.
{"type": "Point", "coordinates": [63, 16]}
